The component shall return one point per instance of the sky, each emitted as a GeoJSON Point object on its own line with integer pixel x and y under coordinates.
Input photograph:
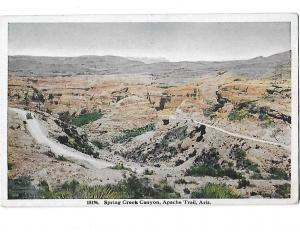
{"type": "Point", "coordinates": [173, 41]}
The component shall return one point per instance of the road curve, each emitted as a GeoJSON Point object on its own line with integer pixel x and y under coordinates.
{"type": "Point", "coordinates": [40, 135]}
{"type": "Point", "coordinates": [237, 135]}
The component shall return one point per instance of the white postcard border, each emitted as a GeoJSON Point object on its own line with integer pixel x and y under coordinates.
{"type": "Point", "coordinates": [278, 17]}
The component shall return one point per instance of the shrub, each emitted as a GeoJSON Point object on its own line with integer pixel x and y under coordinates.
{"type": "Point", "coordinates": [127, 135]}
{"type": "Point", "coordinates": [148, 172]}
{"type": "Point", "coordinates": [186, 191]}
{"type": "Point", "coordinates": [21, 188]}
{"type": "Point", "coordinates": [180, 181]}
{"type": "Point", "coordinates": [179, 162]}
{"type": "Point", "coordinates": [10, 165]}
{"type": "Point", "coordinates": [81, 120]}
{"type": "Point", "coordinates": [99, 144]}
{"type": "Point", "coordinates": [204, 170]}
{"type": "Point", "coordinates": [28, 116]}
{"type": "Point", "coordinates": [121, 167]}
{"type": "Point", "coordinates": [63, 139]}
{"type": "Point", "coordinates": [283, 191]}
{"type": "Point", "coordinates": [278, 174]}
{"type": "Point", "coordinates": [131, 187]}
{"type": "Point", "coordinates": [61, 158]}
{"type": "Point", "coordinates": [243, 183]}
{"type": "Point", "coordinates": [215, 191]}
{"type": "Point", "coordinates": [266, 120]}
{"type": "Point", "coordinates": [239, 114]}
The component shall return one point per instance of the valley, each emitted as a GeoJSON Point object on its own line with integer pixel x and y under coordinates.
{"type": "Point", "coordinates": [126, 129]}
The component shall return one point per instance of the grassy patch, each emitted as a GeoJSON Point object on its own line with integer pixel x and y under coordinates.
{"type": "Point", "coordinates": [243, 183]}
{"type": "Point", "coordinates": [204, 170]}
{"type": "Point", "coordinates": [240, 155]}
{"type": "Point", "coordinates": [278, 174]}
{"type": "Point", "coordinates": [81, 120]}
{"type": "Point", "coordinates": [283, 191]}
{"type": "Point", "coordinates": [266, 121]}
{"type": "Point", "coordinates": [99, 145]}
{"type": "Point", "coordinates": [131, 187]}
{"type": "Point", "coordinates": [215, 191]}
{"type": "Point", "coordinates": [121, 167]}
{"type": "Point", "coordinates": [239, 114]}
{"type": "Point", "coordinates": [127, 135]}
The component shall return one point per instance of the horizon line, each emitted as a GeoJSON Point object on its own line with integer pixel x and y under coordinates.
{"type": "Point", "coordinates": [150, 57]}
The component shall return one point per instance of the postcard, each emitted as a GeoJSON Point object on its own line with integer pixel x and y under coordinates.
{"type": "Point", "coordinates": [149, 110]}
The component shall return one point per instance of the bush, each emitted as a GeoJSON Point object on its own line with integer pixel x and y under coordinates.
{"type": "Point", "coordinates": [99, 144]}
{"type": "Point", "coordinates": [179, 162]}
{"type": "Point", "coordinates": [28, 116]}
{"type": "Point", "coordinates": [266, 121]}
{"type": "Point", "coordinates": [81, 120]}
{"type": "Point", "coordinates": [186, 191]}
{"type": "Point", "coordinates": [180, 181]}
{"type": "Point", "coordinates": [10, 165]}
{"type": "Point", "coordinates": [278, 174]}
{"type": "Point", "coordinates": [238, 115]}
{"type": "Point", "coordinates": [129, 134]}
{"type": "Point", "coordinates": [61, 158]}
{"type": "Point", "coordinates": [283, 191]}
{"type": "Point", "coordinates": [121, 167]}
{"type": "Point", "coordinates": [204, 170]}
{"type": "Point", "coordinates": [215, 191]}
{"type": "Point", "coordinates": [21, 188]}
{"type": "Point", "coordinates": [132, 187]}
{"type": "Point", "coordinates": [148, 172]}
{"type": "Point", "coordinates": [243, 183]}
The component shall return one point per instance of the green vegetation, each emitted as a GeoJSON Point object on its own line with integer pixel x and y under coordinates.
{"type": "Point", "coordinates": [248, 164]}
{"type": "Point", "coordinates": [239, 114]}
{"type": "Point", "coordinates": [99, 145]}
{"type": "Point", "coordinates": [80, 120]}
{"type": "Point", "coordinates": [28, 116]}
{"type": "Point", "coordinates": [283, 191]}
{"type": "Point", "coordinates": [266, 121]}
{"type": "Point", "coordinates": [207, 164]}
{"type": "Point", "coordinates": [179, 162]}
{"type": "Point", "coordinates": [278, 174]}
{"type": "Point", "coordinates": [148, 172]}
{"type": "Point", "coordinates": [215, 191]}
{"type": "Point", "coordinates": [240, 155]}
{"type": "Point", "coordinates": [21, 188]}
{"type": "Point", "coordinates": [132, 187]}
{"type": "Point", "coordinates": [78, 141]}
{"type": "Point", "coordinates": [127, 135]}
{"type": "Point", "coordinates": [257, 176]}
{"type": "Point", "coordinates": [204, 170]}
{"type": "Point", "coordinates": [181, 181]}
{"type": "Point", "coordinates": [10, 165]}
{"type": "Point", "coordinates": [243, 183]}
{"type": "Point", "coordinates": [121, 167]}
{"type": "Point", "coordinates": [61, 158]}
{"type": "Point", "coordinates": [186, 191]}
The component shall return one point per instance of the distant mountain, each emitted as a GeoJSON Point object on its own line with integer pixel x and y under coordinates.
{"type": "Point", "coordinates": [100, 65]}
{"type": "Point", "coordinates": [149, 60]}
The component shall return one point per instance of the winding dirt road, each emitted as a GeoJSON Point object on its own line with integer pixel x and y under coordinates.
{"type": "Point", "coordinates": [40, 135]}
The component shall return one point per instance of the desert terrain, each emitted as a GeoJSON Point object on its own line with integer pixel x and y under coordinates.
{"type": "Point", "coordinates": [122, 128]}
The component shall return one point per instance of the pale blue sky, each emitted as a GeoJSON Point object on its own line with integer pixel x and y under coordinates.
{"type": "Point", "coordinates": [174, 41]}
